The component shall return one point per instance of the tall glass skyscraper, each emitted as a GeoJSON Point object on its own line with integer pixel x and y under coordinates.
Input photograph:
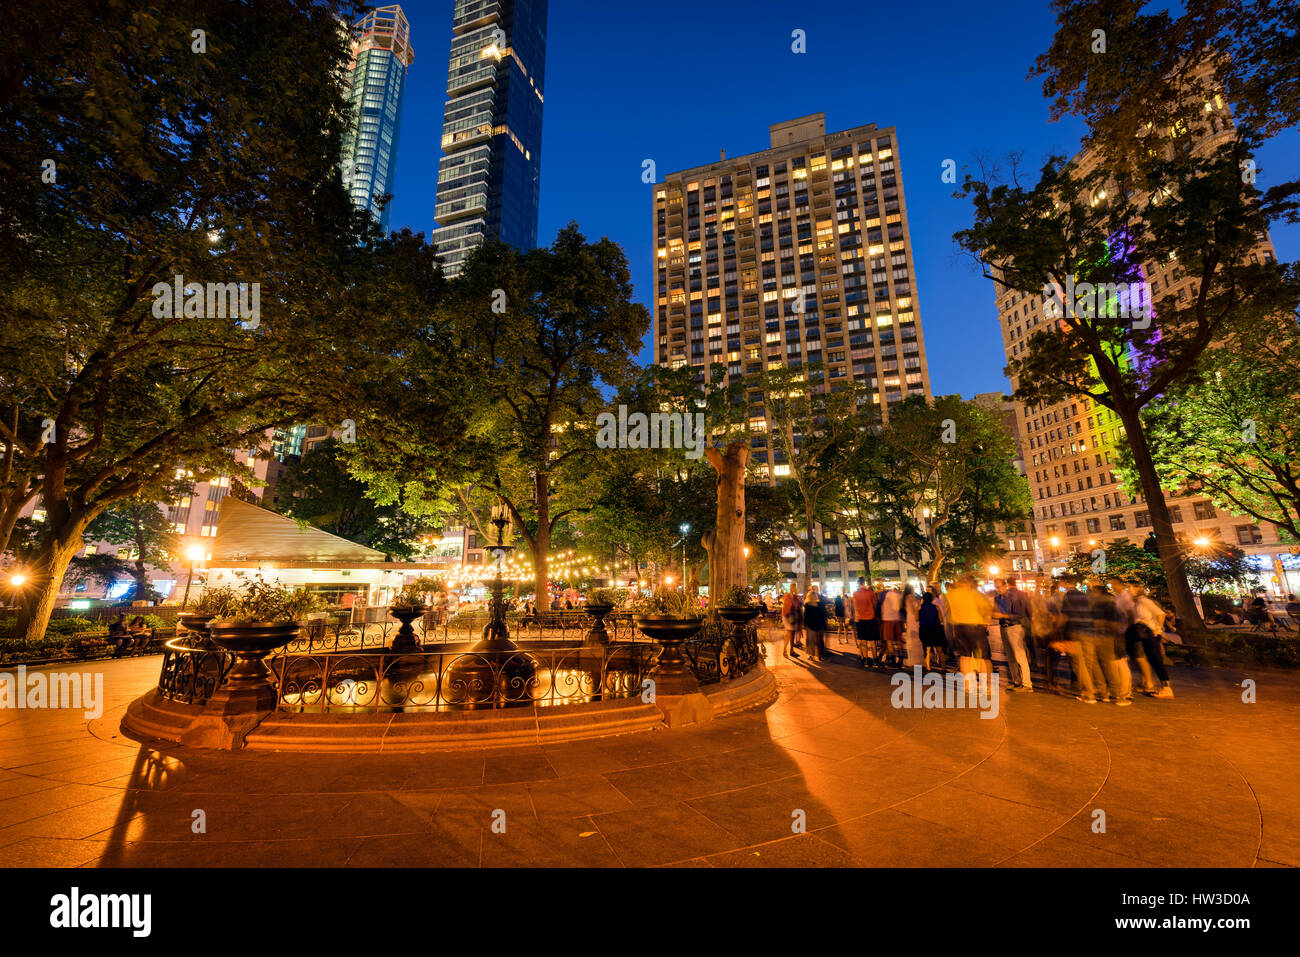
{"type": "Point", "coordinates": [490, 175]}
{"type": "Point", "coordinates": [381, 53]}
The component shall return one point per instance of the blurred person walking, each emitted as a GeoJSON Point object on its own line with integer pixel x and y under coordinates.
{"type": "Point", "coordinates": [792, 620]}
{"type": "Point", "coordinates": [814, 623]}
{"type": "Point", "coordinates": [1013, 610]}
{"type": "Point", "coordinates": [862, 610]}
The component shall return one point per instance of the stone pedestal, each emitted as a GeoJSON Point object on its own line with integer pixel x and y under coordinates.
{"type": "Point", "coordinates": [224, 732]}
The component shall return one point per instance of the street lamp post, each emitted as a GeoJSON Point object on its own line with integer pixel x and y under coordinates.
{"type": "Point", "coordinates": [685, 528]}
{"type": "Point", "coordinates": [195, 554]}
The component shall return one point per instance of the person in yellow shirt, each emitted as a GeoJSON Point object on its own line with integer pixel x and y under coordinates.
{"type": "Point", "coordinates": [970, 613]}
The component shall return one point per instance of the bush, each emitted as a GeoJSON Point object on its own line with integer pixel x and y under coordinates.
{"type": "Point", "coordinates": [671, 604]}
{"type": "Point", "coordinates": [734, 596]}
{"type": "Point", "coordinates": [70, 626]}
{"type": "Point", "coordinates": [606, 596]}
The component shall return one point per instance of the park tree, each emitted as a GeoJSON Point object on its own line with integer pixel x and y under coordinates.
{"type": "Point", "coordinates": [940, 476]}
{"type": "Point", "coordinates": [539, 333]}
{"type": "Point", "coordinates": [1126, 65]}
{"type": "Point", "coordinates": [815, 430]}
{"type": "Point", "coordinates": [1231, 430]}
{"type": "Point", "coordinates": [143, 526]}
{"type": "Point", "coordinates": [1074, 224]}
{"type": "Point", "coordinates": [319, 489]}
{"type": "Point", "coordinates": [210, 162]}
{"type": "Point", "coordinates": [1176, 106]}
{"type": "Point", "coordinates": [20, 473]}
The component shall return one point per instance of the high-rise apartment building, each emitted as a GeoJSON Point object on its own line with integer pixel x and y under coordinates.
{"type": "Point", "coordinates": [381, 54]}
{"type": "Point", "coordinates": [1071, 446]}
{"type": "Point", "coordinates": [793, 255]}
{"type": "Point", "coordinates": [489, 179]}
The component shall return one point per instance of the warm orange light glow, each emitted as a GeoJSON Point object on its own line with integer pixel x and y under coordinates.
{"type": "Point", "coordinates": [18, 579]}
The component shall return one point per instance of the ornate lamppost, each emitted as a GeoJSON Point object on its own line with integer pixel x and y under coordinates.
{"type": "Point", "coordinates": [496, 635]}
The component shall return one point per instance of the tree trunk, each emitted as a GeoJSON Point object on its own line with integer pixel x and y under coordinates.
{"type": "Point", "coordinates": [47, 573]}
{"type": "Point", "coordinates": [1171, 559]}
{"type": "Point", "coordinates": [810, 543]}
{"type": "Point", "coordinates": [9, 518]}
{"type": "Point", "coordinates": [542, 542]}
{"type": "Point", "coordinates": [727, 564]}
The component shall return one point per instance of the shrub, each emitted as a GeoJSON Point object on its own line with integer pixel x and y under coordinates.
{"type": "Point", "coordinates": [734, 596]}
{"type": "Point", "coordinates": [264, 601]}
{"type": "Point", "coordinates": [669, 604]}
{"type": "Point", "coordinates": [606, 596]}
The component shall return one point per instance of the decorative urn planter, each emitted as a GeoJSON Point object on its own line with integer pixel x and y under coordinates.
{"type": "Point", "coordinates": [249, 687]}
{"type": "Point", "coordinates": [671, 675]}
{"type": "Point", "coordinates": [196, 624]}
{"type": "Point", "coordinates": [739, 614]}
{"type": "Point", "coordinates": [404, 640]}
{"type": "Point", "coordinates": [597, 611]}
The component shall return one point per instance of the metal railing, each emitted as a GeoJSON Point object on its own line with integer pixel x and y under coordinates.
{"type": "Point", "coordinates": [351, 668]}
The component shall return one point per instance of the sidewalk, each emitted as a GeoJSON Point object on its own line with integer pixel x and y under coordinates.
{"type": "Point", "coordinates": [1203, 779]}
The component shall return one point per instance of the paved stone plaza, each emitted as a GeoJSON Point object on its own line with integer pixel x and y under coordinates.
{"type": "Point", "coordinates": [1204, 779]}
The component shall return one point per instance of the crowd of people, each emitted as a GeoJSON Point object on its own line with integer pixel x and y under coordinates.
{"type": "Point", "coordinates": [1103, 630]}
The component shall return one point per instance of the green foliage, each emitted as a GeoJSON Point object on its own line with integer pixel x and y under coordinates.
{"type": "Point", "coordinates": [734, 596]}
{"type": "Point", "coordinates": [940, 477]}
{"type": "Point", "coordinates": [537, 357]}
{"type": "Point", "coordinates": [1232, 430]}
{"type": "Point", "coordinates": [265, 601]}
{"type": "Point", "coordinates": [222, 168]}
{"type": "Point", "coordinates": [220, 602]}
{"type": "Point", "coordinates": [819, 431]}
{"type": "Point", "coordinates": [320, 490]}
{"type": "Point", "coordinates": [1123, 559]}
{"type": "Point", "coordinates": [667, 603]}
{"type": "Point", "coordinates": [422, 591]}
{"type": "Point", "coordinates": [606, 596]}
{"type": "Point", "coordinates": [70, 626]}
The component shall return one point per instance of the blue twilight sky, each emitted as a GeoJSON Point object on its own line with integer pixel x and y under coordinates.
{"type": "Point", "coordinates": [677, 81]}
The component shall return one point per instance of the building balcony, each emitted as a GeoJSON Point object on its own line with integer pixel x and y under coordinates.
{"type": "Point", "coordinates": [476, 15]}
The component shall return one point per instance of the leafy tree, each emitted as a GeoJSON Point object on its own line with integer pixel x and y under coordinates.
{"type": "Point", "coordinates": [319, 490]}
{"type": "Point", "coordinates": [1182, 188]}
{"type": "Point", "coordinates": [20, 477]}
{"type": "Point", "coordinates": [1190, 207]}
{"type": "Point", "coordinates": [1232, 430]}
{"type": "Point", "coordinates": [1225, 566]}
{"type": "Point", "coordinates": [1157, 62]}
{"type": "Point", "coordinates": [941, 477]}
{"type": "Point", "coordinates": [1122, 559]}
{"type": "Point", "coordinates": [143, 526]}
{"type": "Point", "coordinates": [220, 165]}
{"type": "Point", "coordinates": [538, 333]}
{"type": "Point", "coordinates": [816, 431]}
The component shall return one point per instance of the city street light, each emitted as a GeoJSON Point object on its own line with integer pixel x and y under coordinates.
{"type": "Point", "coordinates": [195, 554]}
{"type": "Point", "coordinates": [685, 528]}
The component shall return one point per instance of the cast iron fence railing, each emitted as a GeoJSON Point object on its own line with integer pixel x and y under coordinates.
{"type": "Point", "coordinates": [443, 681]}
{"type": "Point", "coordinates": [192, 669]}
{"type": "Point", "coordinates": [323, 634]}
{"type": "Point", "coordinates": [322, 672]}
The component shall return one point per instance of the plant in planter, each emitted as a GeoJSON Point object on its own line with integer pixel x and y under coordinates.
{"type": "Point", "coordinates": [670, 618]}
{"type": "Point", "coordinates": [600, 602]}
{"type": "Point", "coordinates": [256, 622]}
{"type": "Point", "coordinates": [664, 603]}
{"type": "Point", "coordinates": [419, 593]}
{"type": "Point", "coordinates": [412, 602]}
{"type": "Point", "coordinates": [212, 603]}
{"type": "Point", "coordinates": [735, 596]}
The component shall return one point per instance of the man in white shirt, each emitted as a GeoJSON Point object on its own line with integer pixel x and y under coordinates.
{"type": "Point", "coordinates": [891, 624]}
